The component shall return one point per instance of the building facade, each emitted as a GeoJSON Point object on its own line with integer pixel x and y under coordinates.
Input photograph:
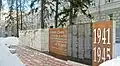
{"type": "Point", "coordinates": [105, 10]}
{"type": "Point", "coordinates": [2, 28]}
{"type": "Point", "coordinates": [31, 21]}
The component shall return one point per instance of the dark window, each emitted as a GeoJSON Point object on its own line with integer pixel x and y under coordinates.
{"type": "Point", "coordinates": [110, 16]}
{"type": "Point", "coordinates": [107, 1]}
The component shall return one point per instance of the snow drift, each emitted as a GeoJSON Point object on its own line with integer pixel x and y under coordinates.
{"type": "Point", "coordinates": [6, 58]}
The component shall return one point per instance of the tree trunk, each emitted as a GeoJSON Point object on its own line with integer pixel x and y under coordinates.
{"type": "Point", "coordinates": [0, 8]}
{"type": "Point", "coordinates": [56, 16]}
{"type": "Point", "coordinates": [71, 12]}
{"type": "Point", "coordinates": [21, 12]}
{"type": "Point", "coordinates": [42, 14]}
{"type": "Point", "coordinates": [17, 19]}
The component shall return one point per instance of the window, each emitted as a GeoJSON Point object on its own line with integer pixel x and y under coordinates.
{"type": "Point", "coordinates": [108, 1]}
{"type": "Point", "coordinates": [110, 16]}
{"type": "Point", "coordinates": [93, 3]}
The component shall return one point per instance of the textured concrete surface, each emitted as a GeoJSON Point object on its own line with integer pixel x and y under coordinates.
{"type": "Point", "coordinates": [37, 39]}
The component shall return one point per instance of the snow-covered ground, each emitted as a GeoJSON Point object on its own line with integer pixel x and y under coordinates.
{"type": "Point", "coordinates": [9, 41]}
{"type": "Point", "coordinates": [6, 58]}
{"type": "Point", "coordinates": [113, 62]}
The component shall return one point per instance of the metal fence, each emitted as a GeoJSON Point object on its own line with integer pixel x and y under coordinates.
{"type": "Point", "coordinates": [80, 43]}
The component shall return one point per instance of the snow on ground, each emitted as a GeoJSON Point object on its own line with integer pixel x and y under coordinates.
{"type": "Point", "coordinates": [113, 62]}
{"type": "Point", "coordinates": [1, 38]}
{"type": "Point", "coordinates": [6, 58]}
{"type": "Point", "coordinates": [10, 41]}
